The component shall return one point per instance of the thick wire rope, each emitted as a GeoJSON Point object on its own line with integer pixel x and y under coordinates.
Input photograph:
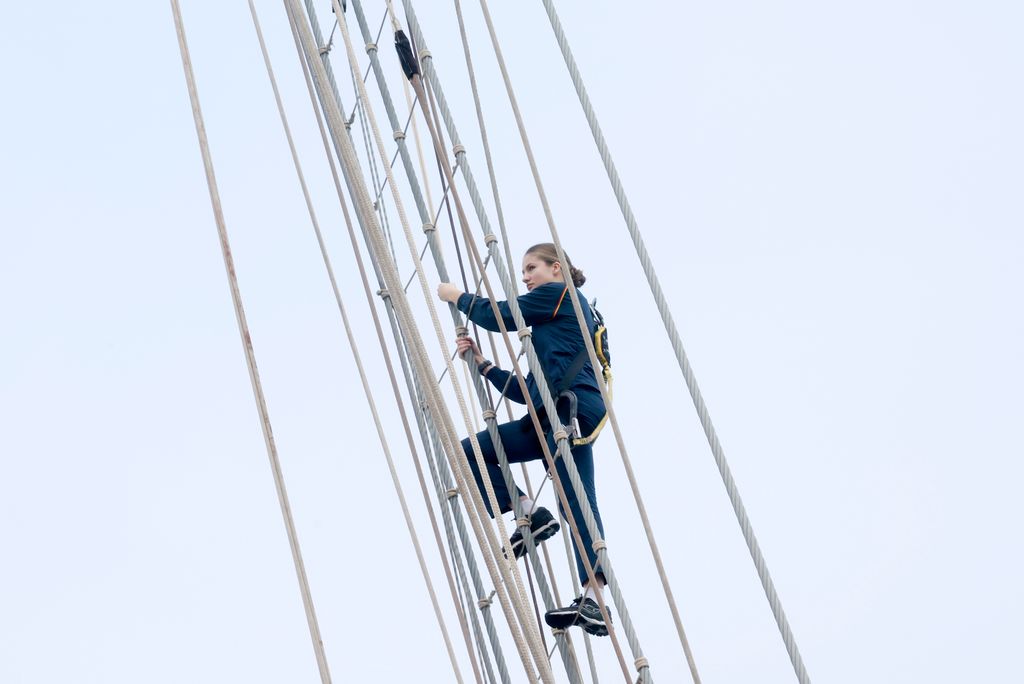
{"type": "Point", "coordinates": [440, 480]}
{"type": "Point", "coordinates": [563, 448]}
{"type": "Point", "coordinates": [434, 400]}
{"type": "Point", "coordinates": [250, 355]}
{"type": "Point", "coordinates": [371, 402]}
{"type": "Point", "coordinates": [677, 346]}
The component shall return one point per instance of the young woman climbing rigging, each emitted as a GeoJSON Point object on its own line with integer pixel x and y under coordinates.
{"type": "Point", "coordinates": [547, 309]}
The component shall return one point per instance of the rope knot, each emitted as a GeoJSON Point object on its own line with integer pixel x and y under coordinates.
{"type": "Point", "coordinates": [398, 135]}
{"type": "Point", "coordinates": [429, 227]}
{"type": "Point", "coordinates": [452, 493]}
{"type": "Point", "coordinates": [641, 663]}
{"type": "Point", "coordinates": [371, 47]}
{"type": "Point", "coordinates": [425, 54]}
{"type": "Point", "coordinates": [461, 330]}
{"type": "Point", "coordinates": [556, 631]}
{"type": "Point", "coordinates": [324, 49]}
{"type": "Point", "coordinates": [600, 545]}
{"type": "Point", "coordinates": [490, 239]}
{"type": "Point", "coordinates": [383, 293]}
{"type": "Point", "coordinates": [524, 333]}
{"type": "Point", "coordinates": [522, 522]}
{"type": "Point", "coordinates": [486, 602]}
{"type": "Point", "coordinates": [458, 149]}
{"type": "Point", "coordinates": [489, 414]}
{"type": "Point", "coordinates": [560, 434]}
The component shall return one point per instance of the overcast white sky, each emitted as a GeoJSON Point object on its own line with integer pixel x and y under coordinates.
{"type": "Point", "coordinates": [832, 196]}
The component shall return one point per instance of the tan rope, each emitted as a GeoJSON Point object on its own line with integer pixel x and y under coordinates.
{"type": "Point", "coordinates": [250, 355]}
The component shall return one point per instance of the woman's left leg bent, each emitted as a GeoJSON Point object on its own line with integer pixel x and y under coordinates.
{"type": "Point", "coordinates": [519, 446]}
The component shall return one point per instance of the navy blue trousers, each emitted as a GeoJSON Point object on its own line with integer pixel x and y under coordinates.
{"type": "Point", "coordinates": [522, 445]}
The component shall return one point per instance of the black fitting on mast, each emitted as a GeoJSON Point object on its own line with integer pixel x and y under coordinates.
{"type": "Point", "coordinates": [410, 65]}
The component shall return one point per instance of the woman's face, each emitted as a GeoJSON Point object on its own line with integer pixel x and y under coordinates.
{"type": "Point", "coordinates": [537, 272]}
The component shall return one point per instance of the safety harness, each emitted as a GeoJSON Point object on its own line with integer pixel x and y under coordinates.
{"type": "Point", "coordinates": [562, 389]}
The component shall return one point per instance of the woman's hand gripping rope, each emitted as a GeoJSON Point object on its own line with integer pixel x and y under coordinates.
{"type": "Point", "coordinates": [464, 344]}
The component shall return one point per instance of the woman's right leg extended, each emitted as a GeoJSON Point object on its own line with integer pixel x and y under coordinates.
{"type": "Point", "coordinates": [519, 446]}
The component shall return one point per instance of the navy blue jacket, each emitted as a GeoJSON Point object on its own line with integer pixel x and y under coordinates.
{"type": "Point", "coordinates": [546, 309]}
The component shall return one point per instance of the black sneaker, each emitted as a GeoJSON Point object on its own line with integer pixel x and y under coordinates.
{"type": "Point", "coordinates": [542, 524]}
{"type": "Point", "coordinates": [582, 612]}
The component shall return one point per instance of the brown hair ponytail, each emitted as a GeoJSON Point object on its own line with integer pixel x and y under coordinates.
{"type": "Point", "coordinates": [546, 252]}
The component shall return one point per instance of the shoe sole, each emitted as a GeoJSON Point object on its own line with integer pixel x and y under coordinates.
{"type": "Point", "coordinates": [570, 618]}
{"type": "Point", "coordinates": [540, 534]}
{"type": "Point", "coordinates": [561, 620]}
{"type": "Point", "coordinates": [592, 627]}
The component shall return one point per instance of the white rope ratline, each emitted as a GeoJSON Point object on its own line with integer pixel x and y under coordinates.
{"type": "Point", "coordinates": [250, 355]}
